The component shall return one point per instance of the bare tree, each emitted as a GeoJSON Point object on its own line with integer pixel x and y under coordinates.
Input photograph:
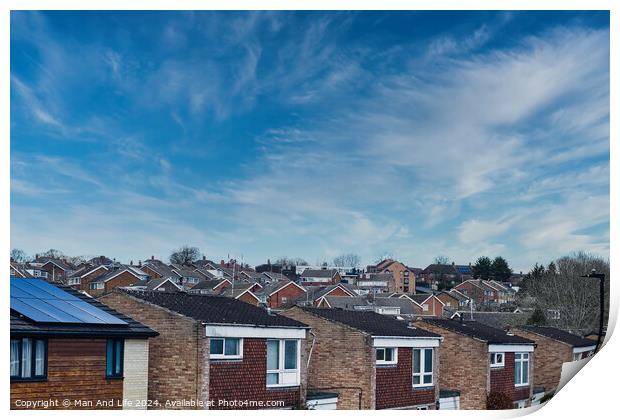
{"type": "Point", "coordinates": [569, 301]}
{"type": "Point", "coordinates": [18, 255]}
{"type": "Point", "coordinates": [185, 255]}
{"type": "Point", "coordinates": [441, 260]}
{"type": "Point", "coordinates": [286, 261]}
{"type": "Point", "coordinates": [384, 256]}
{"type": "Point", "coordinates": [52, 253]}
{"type": "Point", "coordinates": [347, 260]}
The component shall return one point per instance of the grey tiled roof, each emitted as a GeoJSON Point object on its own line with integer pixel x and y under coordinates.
{"type": "Point", "coordinates": [214, 309]}
{"type": "Point", "coordinates": [371, 323]}
{"type": "Point", "coordinates": [560, 335]}
{"type": "Point", "coordinates": [480, 331]}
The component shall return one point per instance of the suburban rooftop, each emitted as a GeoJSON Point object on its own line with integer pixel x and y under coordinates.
{"type": "Point", "coordinates": [371, 323]}
{"type": "Point", "coordinates": [214, 309]}
{"type": "Point", "coordinates": [560, 335]}
{"type": "Point", "coordinates": [479, 331]}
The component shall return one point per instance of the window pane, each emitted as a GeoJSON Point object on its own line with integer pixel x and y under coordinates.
{"type": "Point", "coordinates": [273, 354]}
{"type": "Point", "coordinates": [428, 360]}
{"type": "Point", "coordinates": [526, 372]}
{"type": "Point", "coordinates": [15, 357]}
{"type": "Point", "coordinates": [290, 354]}
{"type": "Point", "coordinates": [428, 379]}
{"type": "Point", "coordinates": [416, 380]}
{"type": "Point", "coordinates": [389, 354]}
{"type": "Point", "coordinates": [272, 379]}
{"type": "Point", "coordinates": [517, 372]}
{"type": "Point", "coordinates": [118, 357]}
{"type": "Point", "coordinates": [380, 354]}
{"type": "Point", "coordinates": [39, 358]}
{"type": "Point", "coordinates": [26, 358]}
{"type": "Point", "coordinates": [231, 346]}
{"type": "Point", "coordinates": [416, 361]}
{"type": "Point", "coordinates": [109, 361]}
{"type": "Point", "coordinates": [217, 346]}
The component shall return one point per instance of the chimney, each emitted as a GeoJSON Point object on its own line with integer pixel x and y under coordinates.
{"type": "Point", "coordinates": [140, 263]}
{"type": "Point", "coordinates": [204, 258]}
{"type": "Point", "coordinates": [131, 262]}
{"type": "Point", "coordinates": [152, 257]}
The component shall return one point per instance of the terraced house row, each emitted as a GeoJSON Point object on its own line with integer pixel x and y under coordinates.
{"type": "Point", "coordinates": [168, 348]}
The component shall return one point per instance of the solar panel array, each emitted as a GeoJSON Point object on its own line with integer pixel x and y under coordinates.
{"type": "Point", "coordinates": [43, 302]}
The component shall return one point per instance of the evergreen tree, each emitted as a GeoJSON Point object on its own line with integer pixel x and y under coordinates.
{"type": "Point", "coordinates": [500, 269]}
{"type": "Point", "coordinates": [482, 269]}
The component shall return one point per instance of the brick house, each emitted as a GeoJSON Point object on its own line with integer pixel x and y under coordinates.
{"type": "Point", "coordinates": [281, 294]}
{"type": "Point", "coordinates": [429, 305]}
{"type": "Point", "coordinates": [380, 305]}
{"type": "Point", "coordinates": [453, 299]}
{"type": "Point", "coordinates": [82, 277]}
{"type": "Point", "coordinates": [81, 351]}
{"type": "Point", "coordinates": [17, 270]}
{"type": "Point", "coordinates": [372, 361]}
{"type": "Point", "coordinates": [404, 277]}
{"type": "Point", "coordinates": [314, 294]}
{"type": "Point", "coordinates": [554, 347]}
{"type": "Point", "coordinates": [57, 269]}
{"type": "Point", "coordinates": [477, 360]}
{"type": "Point", "coordinates": [216, 349]}
{"type": "Point", "coordinates": [123, 277]}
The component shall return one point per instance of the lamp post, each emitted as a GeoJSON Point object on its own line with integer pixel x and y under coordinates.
{"type": "Point", "coordinates": [601, 278]}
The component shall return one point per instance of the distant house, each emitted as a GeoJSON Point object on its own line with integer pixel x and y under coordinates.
{"type": "Point", "coordinates": [82, 277]}
{"type": "Point", "coordinates": [122, 277]}
{"type": "Point", "coordinates": [486, 292]}
{"type": "Point", "coordinates": [281, 294]}
{"type": "Point", "coordinates": [224, 350]}
{"type": "Point", "coordinates": [57, 269]}
{"type": "Point", "coordinates": [320, 277]}
{"type": "Point", "coordinates": [554, 347]}
{"type": "Point", "coordinates": [372, 361]}
{"type": "Point", "coordinates": [429, 305]}
{"type": "Point", "coordinates": [375, 282]}
{"type": "Point", "coordinates": [159, 285]}
{"type": "Point", "coordinates": [478, 360]}
{"type": "Point", "coordinates": [187, 276]}
{"type": "Point", "coordinates": [210, 287]}
{"type": "Point", "coordinates": [380, 305]}
{"type": "Point", "coordinates": [404, 278]}
{"type": "Point", "coordinates": [81, 351]}
{"type": "Point", "coordinates": [18, 270]}
{"type": "Point", "coordinates": [314, 294]}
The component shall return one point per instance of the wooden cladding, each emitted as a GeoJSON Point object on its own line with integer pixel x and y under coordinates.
{"type": "Point", "coordinates": [76, 371]}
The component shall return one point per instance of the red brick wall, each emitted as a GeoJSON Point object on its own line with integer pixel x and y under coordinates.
{"type": "Point", "coordinates": [394, 386]}
{"type": "Point", "coordinates": [86, 279]}
{"type": "Point", "coordinates": [152, 273]}
{"type": "Point", "coordinates": [435, 308]}
{"type": "Point", "coordinates": [122, 280]}
{"type": "Point", "coordinates": [342, 360]}
{"type": "Point", "coordinates": [447, 299]}
{"type": "Point", "coordinates": [503, 379]}
{"type": "Point", "coordinates": [248, 298]}
{"type": "Point", "coordinates": [55, 273]}
{"type": "Point", "coordinates": [290, 292]}
{"type": "Point", "coordinates": [75, 370]}
{"type": "Point", "coordinates": [246, 379]}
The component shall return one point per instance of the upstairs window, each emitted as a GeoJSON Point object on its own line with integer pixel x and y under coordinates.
{"type": "Point", "coordinates": [114, 358]}
{"type": "Point", "coordinates": [387, 355]}
{"type": "Point", "coordinates": [422, 367]}
{"type": "Point", "coordinates": [497, 360]}
{"type": "Point", "coordinates": [226, 348]}
{"type": "Point", "coordinates": [28, 359]}
{"type": "Point", "coordinates": [522, 369]}
{"type": "Point", "coordinates": [283, 363]}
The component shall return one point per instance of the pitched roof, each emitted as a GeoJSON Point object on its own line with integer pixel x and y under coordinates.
{"type": "Point", "coordinates": [113, 273]}
{"type": "Point", "coordinates": [560, 335]}
{"type": "Point", "coordinates": [214, 309]}
{"type": "Point", "coordinates": [59, 263]}
{"type": "Point", "coordinates": [497, 319]}
{"type": "Point", "coordinates": [21, 325]}
{"type": "Point", "coordinates": [371, 323]}
{"type": "Point", "coordinates": [270, 288]}
{"type": "Point", "coordinates": [479, 330]}
{"type": "Point", "coordinates": [358, 302]}
{"type": "Point", "coordinates": [207, 284]}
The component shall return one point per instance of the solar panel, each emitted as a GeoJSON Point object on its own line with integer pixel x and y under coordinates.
{"type": "Point", "coordinates": [43, 302]}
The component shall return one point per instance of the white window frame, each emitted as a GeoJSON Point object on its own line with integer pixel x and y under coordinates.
{"type": "Point", "coordinates": [422, 372]}
{"type": "Point", "coordinates": [495, 363]}
{"type": "Point", "coordinates": [520, 359]}
{"type": "Point", "coordinates": [73, 281]}
{"type": "Point", "coordinates": [280, 371]}
{"type": "Point", "coordinates": [387, 362]}
{"type": "Point", "coordinates": [223, 356]}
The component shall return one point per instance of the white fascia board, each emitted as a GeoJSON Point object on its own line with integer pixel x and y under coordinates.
{"type": "Point", "coordinates": [511, 348]}
{"type": "Point", "coordinates": [253, 332]}
{"type": "Point", "coordinates": [415, 342]}
{"type": "Point", "coordinates": [583, 349]}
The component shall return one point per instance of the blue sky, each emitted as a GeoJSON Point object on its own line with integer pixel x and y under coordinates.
{"type": "Point", "coordinates": [414, 134]}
